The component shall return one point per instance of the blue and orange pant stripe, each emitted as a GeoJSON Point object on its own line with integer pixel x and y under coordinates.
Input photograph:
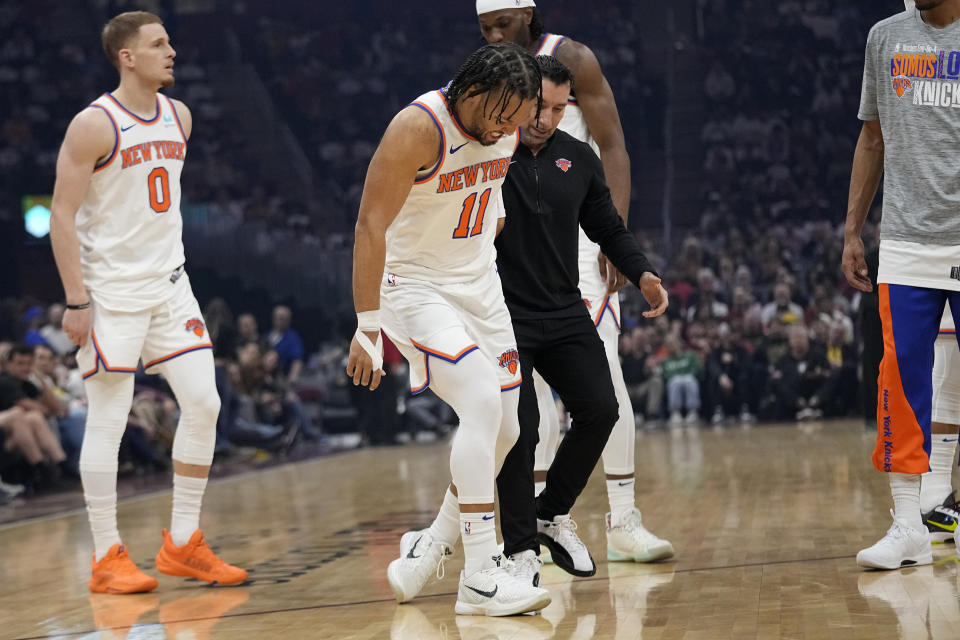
{"type": "Point", "coordinates": [910, 317]}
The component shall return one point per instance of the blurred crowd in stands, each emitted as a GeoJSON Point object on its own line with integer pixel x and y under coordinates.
{"type": "Point", "coordinates": [761, 324]}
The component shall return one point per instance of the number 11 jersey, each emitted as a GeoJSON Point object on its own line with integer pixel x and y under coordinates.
{"type": "Point", "coordinates": [445, 230]}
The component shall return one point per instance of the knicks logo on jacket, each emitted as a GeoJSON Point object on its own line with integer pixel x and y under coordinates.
{"type": "Point", "coordinates": [510, 360]}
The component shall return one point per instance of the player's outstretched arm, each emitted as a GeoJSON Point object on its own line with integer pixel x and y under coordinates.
{"type": "Point", "coordinates": [595, 98]}
{"type": "Point", "coordinates": [90, 138]}
{"type": "Point", "coordinates": [411, 143]}
{"type": "Point", "coordinates": [864, 180]}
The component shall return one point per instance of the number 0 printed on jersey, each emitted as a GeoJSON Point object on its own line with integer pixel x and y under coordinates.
{"type": "Point", "coordinates": [464, 229]}
{"type": "Point", "coordinates": [158, 186]}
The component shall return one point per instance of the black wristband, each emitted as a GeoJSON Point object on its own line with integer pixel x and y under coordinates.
{"type": "Point", "coordinates": [78, 307]}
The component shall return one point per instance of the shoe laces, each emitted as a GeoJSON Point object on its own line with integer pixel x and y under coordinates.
{"type": "Point", "coordinates": [633, 523]}
{"type": "Point", "coordinates": [566, 529]}
{"type": "Point", "coordinates": [203, 552]}
{"type": "Point", "coordinates": [897, 530]}
{"type": "Point", "coordinates": [953, 510]}
{"type": "Point", "coordinates": [441, 570]}
{"type": "Point", "coordinates": [524, 563]}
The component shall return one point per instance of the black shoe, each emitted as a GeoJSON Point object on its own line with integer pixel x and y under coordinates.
{"type": "Point", "coordinates": [942, 521]}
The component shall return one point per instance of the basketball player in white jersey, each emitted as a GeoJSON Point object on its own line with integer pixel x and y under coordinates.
{"type": "Point", "coordinates": [592, 117]}
{"type": "Point", "coordinates": [116, 235]}
{"type": "Point", "coordinates": [424, 270]}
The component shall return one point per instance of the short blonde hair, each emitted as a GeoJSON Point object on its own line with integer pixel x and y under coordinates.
{"type": "Point", "coordinates": [121, 29]}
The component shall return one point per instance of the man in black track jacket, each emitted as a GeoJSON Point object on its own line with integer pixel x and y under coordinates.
{"type": "Point", "coordinates": [555, 186]}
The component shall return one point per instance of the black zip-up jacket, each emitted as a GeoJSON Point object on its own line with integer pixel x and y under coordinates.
{"type": "Point", "coordinates": [547, 197]}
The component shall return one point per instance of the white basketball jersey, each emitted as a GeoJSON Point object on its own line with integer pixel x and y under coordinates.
{"type": "Point", "coordinates": [129, 225]}
{"type": "Point", "coordinates": [445, 230]}
{"type": "Point", "coordinates": [575, 124]}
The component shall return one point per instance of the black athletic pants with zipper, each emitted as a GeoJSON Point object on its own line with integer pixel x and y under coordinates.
{"type": "Point", "coordinates": [570, 356]}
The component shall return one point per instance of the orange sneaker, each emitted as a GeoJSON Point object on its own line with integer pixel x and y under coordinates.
{"type": "Point", "coordinates": [196, 560]}
{"type": "Point", "coordinates": [116, 573]}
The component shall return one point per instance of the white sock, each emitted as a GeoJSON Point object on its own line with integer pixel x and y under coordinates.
{"type": "Point", "coordinates": [479, 534]}
{"type": "Point", "coordinates": [905, 488]}
{"type": "Point", "coordinates": [187, 498]}
{"type": "Point", "coordinates": [538, 487]}
{"type": "Point", "coordinates": [936, 483]}
{"type": "Point", "coordinates": [446, 526]}
{"type": "Point", "coordinates": [100, 494]}
{"type": "Point", "coordinates": [621, 497]}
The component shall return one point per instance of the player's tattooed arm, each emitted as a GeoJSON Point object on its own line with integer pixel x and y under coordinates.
{"type": "Point", "coordinates": [410, 144]}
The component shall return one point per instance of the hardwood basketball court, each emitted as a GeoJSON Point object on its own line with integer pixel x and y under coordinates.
{"type": "Point", "coordinates": [766, 523]}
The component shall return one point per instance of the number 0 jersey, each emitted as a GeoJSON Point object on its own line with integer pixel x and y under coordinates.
{"type": "Point", "coordinates": [444, 232]}
{"type": "Point", "coordinates": [129, 224]}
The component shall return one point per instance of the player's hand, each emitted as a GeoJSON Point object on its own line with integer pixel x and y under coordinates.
{"type": "Point", "coordinates": [654, 293]}
{"type": "Point", "coordinates": [611, 275]}
{"type": "Point", "coordinates": [854, 265]}
{"type": "Point", "coordinates": [360, 363]}
{"type": "Point", "coordinates": [76, 324]}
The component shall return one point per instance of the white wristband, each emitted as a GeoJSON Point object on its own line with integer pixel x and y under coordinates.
{"type": "Point", "coordinates": [369, 320]}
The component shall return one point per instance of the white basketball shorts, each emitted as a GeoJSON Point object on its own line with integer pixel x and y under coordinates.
{"type": "Point", "coordinates": [120, 340]}
{"type": "Point", "coordinates": [449, 321]}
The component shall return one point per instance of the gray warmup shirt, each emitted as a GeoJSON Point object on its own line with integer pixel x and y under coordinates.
{"type": "Point", "coordinates": [911, 83]}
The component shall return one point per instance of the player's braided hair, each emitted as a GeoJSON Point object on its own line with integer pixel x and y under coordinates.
{"type": "Point", "coordinates": [504, 66]}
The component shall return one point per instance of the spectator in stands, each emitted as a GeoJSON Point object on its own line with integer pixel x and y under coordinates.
{"type": "Point", "coordinates": [782, 307]}
{"type": "Point", "coordinates": [25, 428]}
{"type": "Point", "coordinates": [287, 343]}
{"type": "Point", "coordinates": [728, 375]}
{"type": "Point", "coordinates": [49, 376]}
{"type": "Point", "coordinates": [642, 376]}
{"type": "Point", "coordinates": [53, 332]}
{"type": "Point", "coordinates": [247, 329]}
{"type": "Point", "coordinates": [706, 305]}
{"type": "Point", "coordinates": [33, 317]}
{"type": "Point", "coordinates": [801, 379]}
{"type": "Point", "coordinates": [842, 380]}
{"type": "Point", "coordinates": [681, 370]}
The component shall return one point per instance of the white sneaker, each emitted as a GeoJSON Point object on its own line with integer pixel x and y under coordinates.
{"type": "Point", "coordinates": [676, 418]}
{"type": "Point", "coordinates": [692, 418]}
{"type": "Point", "coordinates": [495, 592]}
{"type": "Point", "coordinates": [420, 557]}
{"type": "Point", "coordinates": [902, 546]}
{"type": "Point", "coordinates": [568, 551]}
{"type": "Point", "coordinates": [525, 566]}
{"type": "Point", "coordinates": [630, 541]}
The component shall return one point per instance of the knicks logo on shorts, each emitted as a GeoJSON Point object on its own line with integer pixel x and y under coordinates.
{"type": "Point", "coordinates": [510, 360]}
{"type": "Point", "coordinates": [564, 164]}
{"type": "Point", "coordinates": [195, 325]}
